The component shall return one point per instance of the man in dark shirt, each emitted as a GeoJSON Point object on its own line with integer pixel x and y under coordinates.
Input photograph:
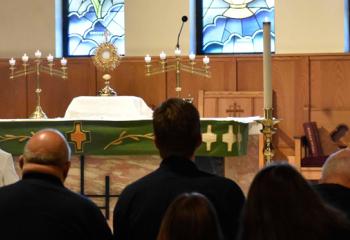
{"type": "Point", "coordinates": [39, 206]}
{"type": "Point", "coordinates": [334, 185]}
{"type": "Point", "coordinates": [141, 206]}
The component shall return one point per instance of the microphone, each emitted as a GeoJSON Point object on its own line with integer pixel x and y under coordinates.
{"type": "Point", "coordinates": [184, 19]}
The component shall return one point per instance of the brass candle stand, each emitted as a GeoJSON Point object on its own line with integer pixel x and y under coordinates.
{"type": "Point", "coordinates": [178, 65]}
{"type": "Point", "coordinates": [268, 130]}
{"type": "Point", "coordinates": [37, 68]}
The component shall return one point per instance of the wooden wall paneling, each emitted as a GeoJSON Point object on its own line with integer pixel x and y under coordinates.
{"type": "Point", "coordinates": [57, 93]}
{"type": "Point", "coordinates": [330, 101]}
{"type": "Point", "coordinates": [330, 82]}
{"type": "Point", "coordinates": [249, 73]}
{"type": "Point", "coordinates": [290, 82]}
{"type": "Point", "coordinates": [223, 78]}
{"type": "Point", "coordinates": [129, 79]}
{"type": "Point", "coordinates": [13, 94]}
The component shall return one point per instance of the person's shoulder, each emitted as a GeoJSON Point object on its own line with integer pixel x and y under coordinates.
{"type": "Point", "coordinates": [4, 154]}
{"type": "Point", "coordinates": [221, 183]}
{"type": "Point", "coordinates": [144, 182]}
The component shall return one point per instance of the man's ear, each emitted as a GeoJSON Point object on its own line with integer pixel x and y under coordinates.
{"type": "Point", "coordinates": [21, 162]}
{"type": "Point", "coordinates": [66, 168]}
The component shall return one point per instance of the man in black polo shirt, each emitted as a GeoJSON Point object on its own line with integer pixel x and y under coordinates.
{"type": "Point", "coordinates": [141, 206]}
{"type": "Point", "coordinates": [39, 206]}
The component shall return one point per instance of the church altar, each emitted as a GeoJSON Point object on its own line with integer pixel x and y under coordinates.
{"type": "Point", "coordinates": [221, 136]}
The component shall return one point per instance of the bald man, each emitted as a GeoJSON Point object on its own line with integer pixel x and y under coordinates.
{"type": "Point", "coordinates": [39, 206]}
{"type": "Point", "coordinates": [334, 185]}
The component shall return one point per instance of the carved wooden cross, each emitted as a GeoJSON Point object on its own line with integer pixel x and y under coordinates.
{"type": "Point", "coordinates": [234, 109]}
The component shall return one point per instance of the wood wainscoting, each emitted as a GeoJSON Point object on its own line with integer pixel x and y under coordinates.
{"type": "Point", "coordinates": [307, 87]}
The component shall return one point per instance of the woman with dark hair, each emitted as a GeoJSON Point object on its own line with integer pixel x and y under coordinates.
{"type": "Point", "coordinates": [282, 206]}
{"type": "Point", "coordinates": [191, 216]}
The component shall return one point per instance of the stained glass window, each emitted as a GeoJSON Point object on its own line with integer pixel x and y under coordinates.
{"type": "Point", "coordinates": [233, 26]}
{"type": "Point", "coordinates": [88, 21]}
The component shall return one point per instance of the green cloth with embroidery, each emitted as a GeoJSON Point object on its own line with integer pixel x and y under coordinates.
{"type": "Point", "coordinates": [91, 137]}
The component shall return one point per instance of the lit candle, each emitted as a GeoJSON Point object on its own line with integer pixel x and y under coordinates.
{"type": "Point", "coordinates": [148, 58]}
{"type": "Point", "coordinates": [63, 62]}
{"type": "Point", "coordinates": [177, 52]}
{"type": "Point", "coordinates": [267, 66]}
{"type": "Point", "coordinates": [25, 58]}
{"type": "Point", "coordinates": [206, 60]}
{"type": "Point", "coordinates": [37, 54]}
{"type": "Point", "coordinates": [12, 62]}
{"type": "Point", "coordinates": [50, 58]}
{"type": "Point", "coordinates": [192, 56]}
{"type": "Point", "coordinates": [162, 55]}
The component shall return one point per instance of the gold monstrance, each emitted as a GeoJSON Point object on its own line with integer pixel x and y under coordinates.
{"type": "Point", "coordinates": [106, 59]}
{"type": "Point", "coordinates": [36, 68]}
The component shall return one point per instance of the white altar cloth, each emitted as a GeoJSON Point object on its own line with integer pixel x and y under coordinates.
{"type": "Point", "coordinates": [108, 108]}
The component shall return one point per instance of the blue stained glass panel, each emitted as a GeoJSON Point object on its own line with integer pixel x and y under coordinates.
{"type": "Point", "coordinates": [236, 26]}
{"type": "Point", "coordinates": [88, 20]}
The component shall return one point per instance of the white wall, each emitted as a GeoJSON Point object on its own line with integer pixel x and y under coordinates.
{"type": "Point", "coordinates": [26, 26]}
{"type": "Point", "coordinates": [312, 26]}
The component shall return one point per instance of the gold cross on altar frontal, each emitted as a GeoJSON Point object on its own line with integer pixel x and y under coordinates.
{"type": "Point", "coordinates": [78, 137]}
{"type": "Point", "coordinates": [234, 109]}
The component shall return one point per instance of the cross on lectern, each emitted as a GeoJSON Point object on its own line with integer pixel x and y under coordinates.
{"type": "Point", "coordinates": [234, 109]}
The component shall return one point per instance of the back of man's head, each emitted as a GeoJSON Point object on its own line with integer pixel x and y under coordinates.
{"type": "Point", "coordinates": [47, 151]}
{"type": "Point", "coordinates": [337, 168]}
{"type": "Point", "coordinates": [176, 126]}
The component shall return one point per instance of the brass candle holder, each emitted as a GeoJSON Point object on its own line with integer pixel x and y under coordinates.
{"type": "Point", "coordinates": [178, 66]}
{"type": "Point", "coordinates": [268, 130]}
{"type": "Point", "coordinates": [36, 67]}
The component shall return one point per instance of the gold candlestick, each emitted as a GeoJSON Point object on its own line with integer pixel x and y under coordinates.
{"type": "Point", "coordinates": [178, 66]}
{"type": "Point", "coordinates": [37, 69]}
{"type": "Point", "coordinates": [268, 130]}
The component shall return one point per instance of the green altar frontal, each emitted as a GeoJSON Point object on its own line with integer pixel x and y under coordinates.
{"type": "Point", "coordinates": [93, 137]}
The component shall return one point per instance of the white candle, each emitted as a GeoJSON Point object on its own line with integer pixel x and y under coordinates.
{"type": "Point", "coordinates": [267, 66]}
{"type": "Point", "coordinates": [148, 58]}
{"type": "Point", "coordinates": [25, 58]}
{"type": "Point", "coordinates": [162, 55]}
{"type": "Point", "coordinates": [37, 54]}
{"type": "Point", "coordinates": [12, 62]}
{"type": "Point", "coordinates": [177, 52]}
{"type": "Point", "coordinates": [63, 62]}
{"type": "Point", "coordinates": [50, 58]}
{"type": "Point", "coordinates": [192, 56]}
{"type": "Point", "coordinates": [206, 60]}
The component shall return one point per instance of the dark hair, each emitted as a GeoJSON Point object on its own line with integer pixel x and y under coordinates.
{"type": "Point", "coordinates": [190, 217]}
{"type": "Point", "coordinates": [176, 126]}
{"type": "Point", "coordinates": [281, 205]}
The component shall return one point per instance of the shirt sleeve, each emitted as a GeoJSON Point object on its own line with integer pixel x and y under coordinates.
{"type": "Point", "coordinates": [10, 175]}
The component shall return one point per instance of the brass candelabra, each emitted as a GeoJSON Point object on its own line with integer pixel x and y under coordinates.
{"type": "Point", "coordinates": [178, 66]}
{"type": "Point", "coordinates": [268, 130]}
{"type": "Point", "coordinates": [36, 67]}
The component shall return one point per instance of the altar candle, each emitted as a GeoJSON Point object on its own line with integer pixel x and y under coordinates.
{"type": "Point", "coordinates": [50, 58]}
{"type": "Point", "coordinates": [192, 56]}
{"type": "Point", "coordinates": [162, 55]}
{"type": "Point", "coordinates": [37, 54]}
{"type": "Point", "coordinates": [148, 58]}
{"type": "Point", "coordinates": [177, 52]}
{"type": "Point", "coordinates": [206, 60]}
{"type": "Point", "coordinates": [25, 58]}
{"type": "Point", "coordinates": [267, 66]}
{"type": "Point", "coordinates": [63, 62]}
{"type": "Point", "coordinates": [12, 62]}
